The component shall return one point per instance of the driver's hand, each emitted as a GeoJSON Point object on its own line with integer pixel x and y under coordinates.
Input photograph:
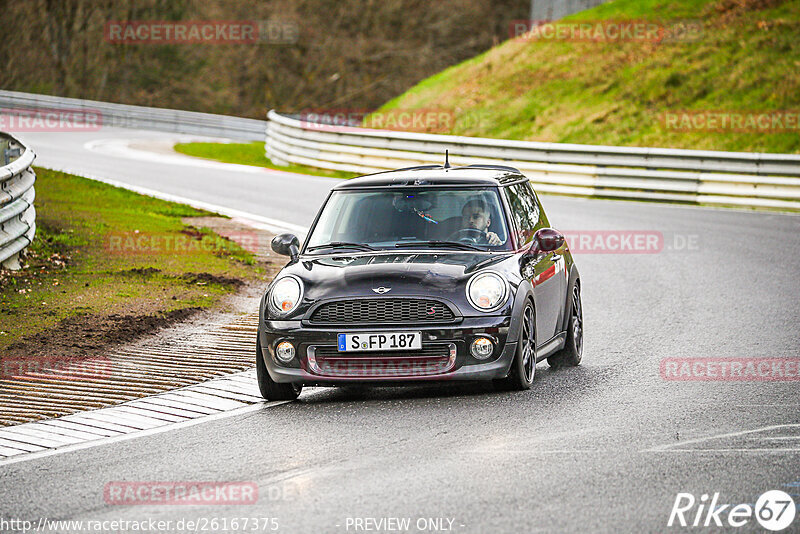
{"type": "Point", "coordinates": [492, 238]}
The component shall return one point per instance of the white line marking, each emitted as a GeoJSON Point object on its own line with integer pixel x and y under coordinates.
{"type": "Point", "coordinates": [159, 402]}
{"type": "Point", "coordinates": [6, 452]}
{"type": "Point", "coordinates": [25, 447]}
{"type": "Point", "coordinates": [673, 447]}
{"type": "Point", "coordinates": [99, 432]}
{"type": "Point", "coordinates": [139, 417]}
{"type": "Point", "coordinates": [213, 402]}
{"type": "Point", "coordinates": [151, 414]}
{"type": "Point", "coordinates": [724, 450]}
{"type": "Point", "coordinates": [83, 436]}
{"type": "Point", "coordinates": [83, 419]}
{"type": "Point", "coordinates": [113, 413]}
{"type": "Point", "coordinates": [121, 148]}
{"type": "Point", "coordinates": [21, 432]}
{"type": "Point", "coordinates": [143, 433]}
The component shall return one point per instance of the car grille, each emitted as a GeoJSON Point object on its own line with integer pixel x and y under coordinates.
{"type": "Point", "coordinates": [385, 310]}
{"type": "Point", "coordinates": [432, 359]}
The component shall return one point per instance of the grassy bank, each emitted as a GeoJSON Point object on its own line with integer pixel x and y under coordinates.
{"type": "Point", "coordinates": [249, 154]}
{"type": "Point", "coordinates": [745, 59]}
{"type": "Point", "coordinates": [108, 264]}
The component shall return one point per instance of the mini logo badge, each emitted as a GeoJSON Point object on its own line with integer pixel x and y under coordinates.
{"type": "Point", "coordinates": [381, 290]}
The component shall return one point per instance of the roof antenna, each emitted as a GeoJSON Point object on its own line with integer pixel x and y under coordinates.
{"type": "Point", "coordinates": [446, 159]}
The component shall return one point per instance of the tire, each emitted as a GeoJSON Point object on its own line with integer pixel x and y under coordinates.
{"type": "Point", "coordinates": [523, 368]}
{"type": "Point", "coordinates": [571, 354]}
{"type": "Point", "coordinates": [271, 390]}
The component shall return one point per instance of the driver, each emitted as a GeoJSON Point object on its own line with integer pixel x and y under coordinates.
{"type": "Point", "coordinates": [475, 215]}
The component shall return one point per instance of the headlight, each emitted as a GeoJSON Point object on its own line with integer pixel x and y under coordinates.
{"type": "Point", "coordinates": [487, 291]}
{"type": "Point", "coordinates": [285, 295]}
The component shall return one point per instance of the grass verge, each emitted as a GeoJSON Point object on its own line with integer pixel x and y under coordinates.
{"type": "Point", "coordinates": [745, 60]}
{"type": "Point", "coordinates": [250, 154]}
{"type": "Point", "coordinates": [108, 264]}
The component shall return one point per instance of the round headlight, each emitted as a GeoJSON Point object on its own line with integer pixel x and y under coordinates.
{"type": "Point", "coordinates": [487, 291]}
{"type": "Point", "coordinates": [284, 351]}
{"type": "Point", "coordinates": [482, 348]}
{"type": "Point", "coordinates": [286, 294]}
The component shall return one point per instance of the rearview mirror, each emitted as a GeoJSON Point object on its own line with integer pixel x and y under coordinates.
{"type": "Point", "coordinates": [286, 245]}
{"type": "Point", "coordinates": [546, 240]}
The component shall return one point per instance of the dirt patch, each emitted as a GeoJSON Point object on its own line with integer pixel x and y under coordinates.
{"type": "Point", "coordinates": [139, 271]}
{"type": "Point", "coordinates": [207, 278]}
{"type": "Point", "coordinates": [727, 6]}
{"type": "Point", "coordinates": [86, 336]}
{"type": "Point", "coordinates": [193, 233]}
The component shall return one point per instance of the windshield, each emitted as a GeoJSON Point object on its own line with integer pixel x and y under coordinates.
{"type": "Point", "coordinates": [468, 219]}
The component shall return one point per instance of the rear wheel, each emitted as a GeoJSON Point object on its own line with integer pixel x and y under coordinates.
{"type": "Point", "coordinates": [523, 368]}
{"type": "Point", "coordinates": [571, 354]}
{"type": "Point", "coordinates": [270, 389]}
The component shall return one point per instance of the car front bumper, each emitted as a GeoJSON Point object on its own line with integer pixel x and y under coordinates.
{"type": "Point", "coordinates": [366, 367]}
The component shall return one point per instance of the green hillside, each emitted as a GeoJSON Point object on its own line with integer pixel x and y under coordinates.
{"type": "Point", "coordinates": [745, 59]}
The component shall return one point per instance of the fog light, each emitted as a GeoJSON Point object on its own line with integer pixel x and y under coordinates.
{"type": "Point", "coordinates": [284, 351]}
{"type": "Point", "coordinates": [482, 348]}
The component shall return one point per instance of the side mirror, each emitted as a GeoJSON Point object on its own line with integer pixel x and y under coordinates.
{"type": "Point", "coordinates": [546, 240]}
{"type": "Point", "coordinates": [286, 245]}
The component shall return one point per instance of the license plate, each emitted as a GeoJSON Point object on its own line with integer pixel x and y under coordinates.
{"type": "Point", "coordinates": [382, 341]}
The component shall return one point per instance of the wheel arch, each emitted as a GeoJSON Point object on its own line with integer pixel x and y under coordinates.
{"type": "Point", "coordinates": [524, 293]}
{"type": "Point", "coordinates": [574, 278]}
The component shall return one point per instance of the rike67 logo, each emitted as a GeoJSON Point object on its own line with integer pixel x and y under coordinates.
{"type": "Point", "coordinates": [774, 510]}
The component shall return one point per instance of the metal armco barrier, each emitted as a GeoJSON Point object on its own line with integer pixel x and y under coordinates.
{"type": "Point", "coordinates": [744, 179]}
{"type": "Point", "coordinates": [17, 214]}
{"type": "Point", "coordinates": [124, 116]}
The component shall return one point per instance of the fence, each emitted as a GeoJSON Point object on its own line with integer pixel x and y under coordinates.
{"type": "Point", "coordinates": [125, 116]}
{"type": "Point", "coordinates": [690, 176]}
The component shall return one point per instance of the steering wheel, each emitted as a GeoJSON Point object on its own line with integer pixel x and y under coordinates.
{"type": "Point", "coordinates": [469, 236]}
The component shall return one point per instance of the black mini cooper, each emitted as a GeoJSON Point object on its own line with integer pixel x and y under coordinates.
{"type": "Point", "coordinates": [422, 274]}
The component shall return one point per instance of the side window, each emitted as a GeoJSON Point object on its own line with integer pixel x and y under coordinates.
{"type": "Point", "coordinates": [542, 221]}
{"type": "Point", "coordinates": [524, 210]}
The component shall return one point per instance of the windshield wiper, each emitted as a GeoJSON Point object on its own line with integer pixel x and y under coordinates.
{"type": "Point", "coordinates": [454, 244]}
{"type": "Point", "coordinates": [342, 244]}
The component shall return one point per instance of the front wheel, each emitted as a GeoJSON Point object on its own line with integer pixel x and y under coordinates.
{"type": "Point", "coordinates": [271, 390]}
{"type": "Point", "coordinates": [571, 354]}
{"type": "Point", "coordinates": [523, 368]}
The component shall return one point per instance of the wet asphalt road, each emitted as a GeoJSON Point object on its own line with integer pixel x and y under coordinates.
{"type": "Point", "coordinates": [603, 447]}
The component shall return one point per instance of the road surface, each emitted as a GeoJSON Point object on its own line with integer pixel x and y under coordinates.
{"type": "Point", "coordinates": [603, 447]}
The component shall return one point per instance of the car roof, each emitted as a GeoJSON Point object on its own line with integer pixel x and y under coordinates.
{"type": "Point", "coordinates": [437, 175]}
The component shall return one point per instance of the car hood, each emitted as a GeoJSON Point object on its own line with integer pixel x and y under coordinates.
{"type": "Point", "coordinates": [441, 274]}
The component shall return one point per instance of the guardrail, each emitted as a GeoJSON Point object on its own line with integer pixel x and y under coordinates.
{"type": "Point", "coordinates": [17, 214]}
{"type": "Point", "coordinates": [125, 116]}
{"type": "Point", "coordinates": [755, 180]}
